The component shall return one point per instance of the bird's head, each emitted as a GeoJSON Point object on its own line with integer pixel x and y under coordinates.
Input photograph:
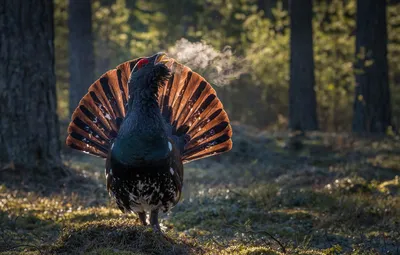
{"type": "Point", "coordinates": [149, 74]}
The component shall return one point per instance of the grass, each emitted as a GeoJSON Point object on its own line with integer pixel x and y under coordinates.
{"type": "Point", "coordinates": [333, 194]}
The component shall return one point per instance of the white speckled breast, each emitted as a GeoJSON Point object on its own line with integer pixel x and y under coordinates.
{"type": "Point", "coordinates": [145, 192]}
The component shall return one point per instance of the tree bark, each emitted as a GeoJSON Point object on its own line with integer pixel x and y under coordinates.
{"type": "Point", "coordinates": [29, 129]}
{"type": "Point", "coordinates": [266, 6]}
{"type": "Point", "coordinates": [302, 100]}
{"type": "Point", "coordinates": [81, 65]}
{"type": "Point", "coordinates": [372, 110]}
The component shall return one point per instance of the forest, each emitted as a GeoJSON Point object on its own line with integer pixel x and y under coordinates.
{"type": "Point", "coordinates": [304, 94]}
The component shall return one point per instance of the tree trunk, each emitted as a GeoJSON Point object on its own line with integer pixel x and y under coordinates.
{"type": "Point", "coordinates": [302, 101]}
{"type": "Point", "coordinates": [266, 6]}
{"type": "Point", "coordinates": [81, 65]}
{"type": "Point", "coordinates": [372, 110]}
{"type": "Point", "coordinates": [29, 129]}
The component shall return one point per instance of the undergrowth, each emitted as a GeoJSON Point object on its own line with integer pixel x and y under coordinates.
{"type": "Point", "coordinates": [332, 194]}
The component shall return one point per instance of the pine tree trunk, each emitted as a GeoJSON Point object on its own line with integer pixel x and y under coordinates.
{"type": "Point", "coordinates": [372, 110]}
{"type": "Point", "coordinates": [302, 101]}
{"type": "Point", "coordinates": [266, 6]}
{"type": "Point", "coordinates": [81, 65]}
{"type": "Point", "coordinates": [29, 129]}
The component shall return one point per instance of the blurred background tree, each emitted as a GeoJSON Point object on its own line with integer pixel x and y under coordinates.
{"type": "Point", "coordinates": [372, 106]}
{"type": "Point", "coordinates": [259, 33]}
{"type": "Point", "coordinates": [29, 128]}
{"type": "Point", "coordinates": [81, 63]}
{"type": "Point", "coordinates": [302, 102]}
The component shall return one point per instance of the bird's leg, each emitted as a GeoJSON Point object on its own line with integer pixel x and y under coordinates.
{"type": "Point", "coordinates": [142, 218]}
{"type": "Point", "coordinates": [154, 220]}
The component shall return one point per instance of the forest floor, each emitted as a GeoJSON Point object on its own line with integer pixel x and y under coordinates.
{"type": "Point", "coordinates": [330, 194]}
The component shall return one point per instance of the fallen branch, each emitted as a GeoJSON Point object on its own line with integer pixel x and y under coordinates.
{"type": "Point", "coordinates": [270, 235]}
{"type": "Point", "coordinates": [267, 233]}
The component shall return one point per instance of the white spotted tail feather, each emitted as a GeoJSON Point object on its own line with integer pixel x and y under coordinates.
{"type": "Point", "coordinates": [196, 117]}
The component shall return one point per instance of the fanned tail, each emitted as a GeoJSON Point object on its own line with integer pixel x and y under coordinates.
{"type": "Point", "coordinates": [191, 106]}
{"type": "Point", "coordinates": [198, 121]}
{"type": "Point", "coordinates": [96, 120]}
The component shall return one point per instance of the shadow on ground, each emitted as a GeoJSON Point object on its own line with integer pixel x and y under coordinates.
{"type": "Point", "coordinates": [329, 194]}
{"type": "Point", "coordinates": [119, 236]}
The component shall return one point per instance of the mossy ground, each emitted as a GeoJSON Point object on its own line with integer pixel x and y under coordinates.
{"type": "Point", "coordinates": [333, 194]}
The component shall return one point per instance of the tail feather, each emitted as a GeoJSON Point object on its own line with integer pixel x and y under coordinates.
{"type": "Point", "coordinates": [95, 122]}
{"type": "Point", "coordinates": [187, 102]}
{"type": "Point", "coordinates": [216, 146]}
{"type": "Point", "coordinates": [123, 73]}
{"type": "Point", "coordinates": [214, 116]}
{"type": "Point", "coordinates": [202, 101]}
{"type": "Point", "coordinates": [174, 91]}
{"type": "Point", "coordinates": [209, 137]}
{"type": "Point", "coordinates": [191, 106]}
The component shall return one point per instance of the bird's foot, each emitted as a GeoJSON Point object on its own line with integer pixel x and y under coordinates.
{"type": "Point", "coordinates": [142, 218]}
{"type": "Point", "coordinates": [157, 228]}
{"type": "Point", "coordinates": [154, 221]}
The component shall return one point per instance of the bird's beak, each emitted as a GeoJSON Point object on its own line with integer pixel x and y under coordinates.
{"type": "Point", "coordinates": [161, 58]}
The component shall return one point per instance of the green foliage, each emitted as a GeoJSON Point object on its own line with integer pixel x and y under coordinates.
{"type": "Point", "coordinates": [269, 50]}
{"type": "Point", "coordinates": [268, 55]}
{"type": "Point", "coordinates": [334, 250]}
{"type": "Point", "coordinates": [61, 53]}
{"type": "Point", "coordinates": [394, 60]}
{"type": "Point", "coordinates": [112, 33]}
{"type": "Point", "coordinates": [127, 29]}
{"type": "Point", "coordinates": [334, 54]}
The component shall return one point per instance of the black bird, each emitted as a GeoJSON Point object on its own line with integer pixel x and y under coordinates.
{"type": "Point", "coordinates": [148, 117]}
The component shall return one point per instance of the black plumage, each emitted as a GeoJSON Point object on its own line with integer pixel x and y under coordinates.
{"type": "Point", "coordinates": [148, 117]}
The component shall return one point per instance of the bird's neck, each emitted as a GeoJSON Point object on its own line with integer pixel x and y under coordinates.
{"type": "Point", "coordinates": [142, 137]}
{"type": "Point", "coordinates": [144, 100]}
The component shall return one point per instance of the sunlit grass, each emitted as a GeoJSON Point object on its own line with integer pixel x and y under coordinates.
{"type": "Point", "coordinates": [326, 201]}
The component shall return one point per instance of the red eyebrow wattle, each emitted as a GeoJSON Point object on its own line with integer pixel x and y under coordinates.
{"type": "Point", "coordinates": [142, 62]}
